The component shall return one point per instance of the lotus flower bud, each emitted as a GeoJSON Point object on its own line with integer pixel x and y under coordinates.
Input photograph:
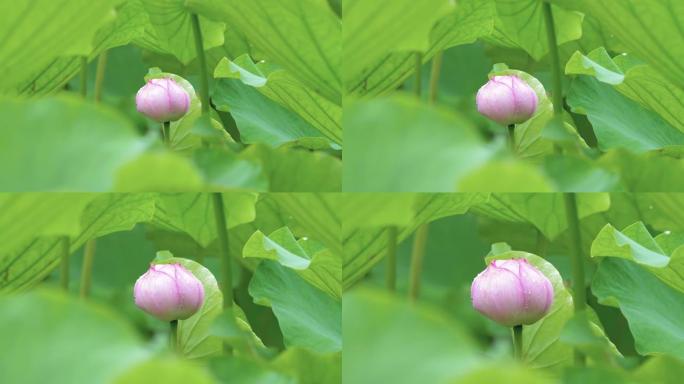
{"type": "Point", "coordinates": [512, 292]}
{"type": "Point", "coordinates": [169, 292]}
{"type": "Point", "coordinates": [162, 100]}
{"type": "Point", "coordinates": [507, 100]}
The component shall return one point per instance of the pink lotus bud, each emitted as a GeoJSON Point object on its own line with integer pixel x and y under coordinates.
{"type": "Point", "coordinates": [507, 100]}
{"type": "Point", "coordinates": [169, 292]}
{"type": "Point", "coordinates": [512, 292]}
{"type": "Point", "coordinates": [162, 100]}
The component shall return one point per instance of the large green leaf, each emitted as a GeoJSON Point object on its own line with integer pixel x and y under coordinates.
{"type": "Point", "coordinates": [649, 29]}
{"type": "Point", "coordinates": [261, 120]}
{"type": "Point", "coordinates": [653, 309]}
{"type": "Point", "coordinates": [302, 36]}
{"type": "Point", "coordinates": [129, 23]}
{"type": "Point", "coordinates": [401, 25]}
{"type": "Point", "coordinates": [636, 244]}
{"type": "Point", "coordinates": [520, 24]}
{"type": "Point", "coordinates": [29, 215]}
{"type": "Point", "coordinates": [470, 20]}
{"type": "Point", "coordinates": [401, 145]}
{"type": "Point", "coordinates": [28, 264]}
{"type": "Point", "coordinates": [168, 371]}
{"type": "Point", "coordinates": [194, 338]}
{"type": "Point", "coordinates": [36, 32]}
{"type": "Point", "coordinates": [316, 264]}
{"type": "Point", "coordinates": [170, 29]}
{"type": "Point", "coordinates": [638, 81]}
{"type": "Point", "coordinates": [239, 370]}
{"type": "Point", "coordinates": [316, 213]}
{"type": "Point", "coordinates": [653, 171]}
{"type": "Point", "coordinates": [546, 211]}
{"type": "Point", "coordinates": [281, 87]}
{"type": "Point", "coordinates": [77, 341]}
{"type": "Point", "coordinates": [93, 143]}
{"type": "Point", "coordinates": [388, 340]}
{"type": "Point", "coordinates": [618, 121]}
{"type": "Point", "coordinates": [307, 316]}
{"type": "Point", "coordinates": [193, 213]}
{"type": "Point", "coordinates": [311, 368]}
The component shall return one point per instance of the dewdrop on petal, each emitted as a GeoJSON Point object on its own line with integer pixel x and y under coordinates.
{"type": "Point", "coordinates": [512, 292]}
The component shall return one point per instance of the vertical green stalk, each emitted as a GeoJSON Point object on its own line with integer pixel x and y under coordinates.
{"type": "Point", "coordinates": [226, 267]}
{"type": "Point", "coordinates": [570, 199]}
{"type": "Point", "coordinates": [434, 76]}
{"type": "Point", "coordinates": [511, 137]}
{"type": "Point", "coordinates": [202, 61]}
{"type": "Point", "coordinates": [87, 269]}
{"type": "Point", "coordinates": [84, 76]}
{"type": "Point", "coordinates": [166, 132]}
{"type": "Point", "coordinates": [64, 270]}
{"type": "Point", "coordinates": [417, 256]}
{"type": "Point", "coordinates": [578, 280]}
{"type": "Point", "coordinates": [517, 342]}
{"type": "Point", "coordinates": [418, 80]}
{"type": "Point", "coordinates": [173, 336]}
{"type": "Point", "coordinates": [99, 75]}
{"type": "Point", "coordinates": [391, 272]}
{"type": "Point", "coordinates": [556, 71]}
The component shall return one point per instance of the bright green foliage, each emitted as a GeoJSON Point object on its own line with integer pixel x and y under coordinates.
{"type": "Point", "coordinates": [660, 255]}
{"type": "Point", "coordinates": [307, 316]}
{"type": "Point", "coordinates": [385, 137]}
{"type": "Point", "coordinates": [651, 307]}
{"type": "Point", "coordinates": [66, 28]}
{"type": "Point", "coordinates": [64, 333]}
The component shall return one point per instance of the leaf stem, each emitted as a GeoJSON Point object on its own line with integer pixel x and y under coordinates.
{"type": "Point", "coordinates": [417, 256]}
{"type": "Point", "coordinates": [556, 71]}
{"type": "Point", "coordinates": [578, 293]}
{"type": "Point", "coordinates": [202, 62]}
{"type": "Point", "coordinates": [511, 137]}
{"type": "Point", "coordinates": [64, 271]}
{"type": "Point", "coordinates": [87, 269]}
{"type": "Point", "coordinates": [84, 76]}
{"type": "Point", "coordinates": [418, 80]}
{"type": "Point", "coordinates": [391, 272]}
{"type": "Point", "coordinates": [435, 72]}
{"type": "Point", "coordinates": [99, 75]}
{"type": "Point", "coordinates": [173, 336]}
{"type": "Point", "coordinates": [226, 266]}
{"type": "Point", "coordinates": [517, 342]}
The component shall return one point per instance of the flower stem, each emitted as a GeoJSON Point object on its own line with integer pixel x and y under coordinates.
{"type": "Point", "coordinates": [418, 80]}
{"type": "Point", "coordinates": [99, 75]}
{"type": "Point", "coordinates": [87, 269]}
{"type": "Point", "coordinates": [434, 76]}
{"type": "Point", "coordinates": [173, 336]}
{"type": "Point", "coordinates": [578, 293]}
{"type": "Point", "coordinates": [517, 342]}
{"type": "Point", "coordinates": [226, 267]}
{"type": "Point", "coordinates": [511, 136]}
{"type": "Point", "coordinates": [84, 76]}
{"type": "Point", "coordinates": [556, 70]}
{"type": "Point", "coordinates": [391, 272]}
{"type": "Point", "coordinates": [417, 256]}
{"type": "Point", "coordinates": [202, 62]}
{"type": "Point", "coordinates": [64, 271]}
{"type": "Point", "coordinates": [166, 132]}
